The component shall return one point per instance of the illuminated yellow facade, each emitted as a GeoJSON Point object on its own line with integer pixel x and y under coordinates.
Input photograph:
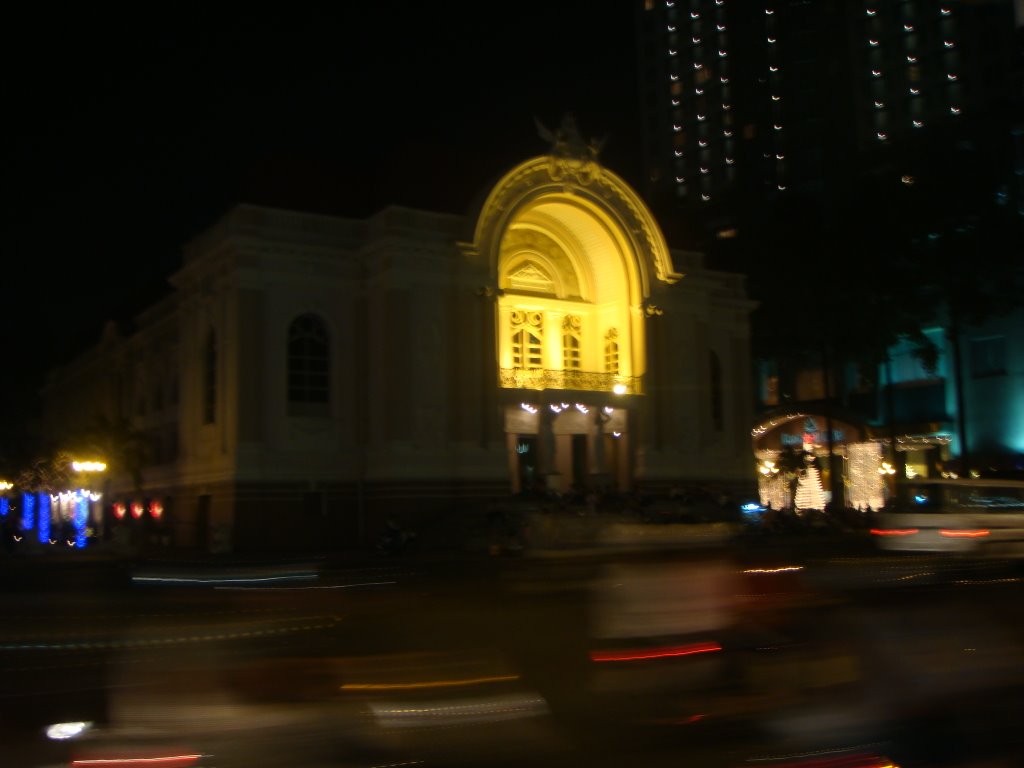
{"type": "Point", "coordinates": [318, 368]}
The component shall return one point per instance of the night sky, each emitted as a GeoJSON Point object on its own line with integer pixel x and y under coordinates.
{"type": "Point", "coordinates": [128, 134]}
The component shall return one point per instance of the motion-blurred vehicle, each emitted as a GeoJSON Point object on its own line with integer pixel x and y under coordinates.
{"type": "Point", "coordinates": [975, 517]}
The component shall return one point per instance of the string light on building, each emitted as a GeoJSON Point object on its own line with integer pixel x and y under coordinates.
{"type": "Point", "coordinates": [81, 518]}
{"type": "Point", "coordinates": [28, 511]}
{"type": "Point", "coordinates": [866, 486]}
{"type": "Point", "coordinates": [773, 487]}
{"type": "Point", "coordinates": [43, 529]}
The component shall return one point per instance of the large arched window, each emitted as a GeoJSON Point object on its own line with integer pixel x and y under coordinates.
{"type": "Point", "coordinates": [715, 384]}
{"type": "Point", "coordinates": [527, 340]}
{"type": "Point", "coordinates": [572, 359]}
{"type": "Point", "coordinates": [611, 351]}
{"type": "Point", "coordinates": [309, 365]}
{"type": "Point", "coordinates": [210, 378]}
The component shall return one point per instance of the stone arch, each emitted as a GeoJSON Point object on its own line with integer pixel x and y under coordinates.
{"type": "Point", "coordinates": [588, 237]}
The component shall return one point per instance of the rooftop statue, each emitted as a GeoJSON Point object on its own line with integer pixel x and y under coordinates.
{"type": "Point", "coordinates": [572, 157]}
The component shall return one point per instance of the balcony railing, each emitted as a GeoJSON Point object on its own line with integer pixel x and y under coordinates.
{"type": "Point", "coordinates": [587, 381]}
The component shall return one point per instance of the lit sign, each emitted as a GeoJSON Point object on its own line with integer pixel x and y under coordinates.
{"type": "Point", "coordinates": [837, 436]}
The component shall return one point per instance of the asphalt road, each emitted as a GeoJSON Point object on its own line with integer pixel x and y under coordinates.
{"type": "Point", "coordinates": [434, 660]}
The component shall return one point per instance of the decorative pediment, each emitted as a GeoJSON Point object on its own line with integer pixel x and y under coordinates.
{"type": "Point", "coordinates": [530, 277]}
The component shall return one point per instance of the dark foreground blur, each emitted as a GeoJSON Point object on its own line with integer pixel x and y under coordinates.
{"type": "Point", "coordinates": [662, 650]}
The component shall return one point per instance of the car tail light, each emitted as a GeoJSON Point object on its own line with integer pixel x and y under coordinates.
{"type": "Point", "coordinates": [894, 531]}
{"type": "Point", "coordinates": [657, 652]}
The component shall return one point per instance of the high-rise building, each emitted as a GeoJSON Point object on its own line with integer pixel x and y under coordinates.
{"type": "Point", "coordinates": [746, 103]}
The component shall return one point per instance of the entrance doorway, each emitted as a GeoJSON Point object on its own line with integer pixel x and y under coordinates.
{"type": "Point", "coordinates": [579, 461]}
{"type": "Point", "coordinates": [526, 454]}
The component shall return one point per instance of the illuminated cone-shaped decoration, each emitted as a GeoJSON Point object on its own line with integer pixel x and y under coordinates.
{"type": "Point", "coordinates": [809, 493]}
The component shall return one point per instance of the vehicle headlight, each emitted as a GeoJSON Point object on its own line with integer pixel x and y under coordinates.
{"type": "Point", "coordinates": [63, 731]}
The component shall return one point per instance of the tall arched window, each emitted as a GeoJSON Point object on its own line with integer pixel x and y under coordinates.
{"type": "Point", "coordinates": [572, 359]}
{"type": "Point", "coordinates": [527, 340]}
{"type": "Point", "coordinates": [210, 378]}
{"type": "Point", "coordinates": [611, 351]}
{"type": "Point", "coordinates": [715, 384]}
{"type": "Point", "coordinates": [309, 365]}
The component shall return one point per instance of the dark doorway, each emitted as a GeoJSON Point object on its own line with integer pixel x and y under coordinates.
{"type": "Point", "coordinates": [579, 461]}
{"type": "Point", "coordinates": [526, 450]}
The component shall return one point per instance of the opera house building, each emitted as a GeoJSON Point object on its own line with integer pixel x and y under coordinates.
{"type": "Point", "coordinates": [308, 375]}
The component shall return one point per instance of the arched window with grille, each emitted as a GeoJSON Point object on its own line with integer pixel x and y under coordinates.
{"type": "Point", "coordinates": [715, 384]}
{"type": "Point", "coordinates": [527, 340]}
{"type": "Point", "coordinates": [309, 366]}
{"type": "Point", "coordinates": [572, 359]}
{"type": "Point", "coordinates": [210, 378]}
{"type": "Point", "coordinates": [611, 351]}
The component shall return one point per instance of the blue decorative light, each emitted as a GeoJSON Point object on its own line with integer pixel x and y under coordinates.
{"type": "Point", "coordinates": [28, 511]}
{"type": "Point", "coordinates": [81, 516]}
{"type": "Point", "coordinates": [5, 506]}
{"type": "Point", "coordinates": [43, 531]}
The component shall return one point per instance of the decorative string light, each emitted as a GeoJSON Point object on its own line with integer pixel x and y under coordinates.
{"type": "Point", "coordinates": [28, 511]}
{"type": "Point", "coordinates": [81, 518]}
{"type": "Point", "coordinates": [43, 529]}
{"type": "Point", "coordinates": [867, 488]}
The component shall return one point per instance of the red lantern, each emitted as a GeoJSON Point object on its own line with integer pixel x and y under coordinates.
{"type": "Point", "coordinates": [120, 510]}
{"type": "Point", "coordinates": [136, 509]}
{"type": "Point", "coordinates": [156, 510]}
